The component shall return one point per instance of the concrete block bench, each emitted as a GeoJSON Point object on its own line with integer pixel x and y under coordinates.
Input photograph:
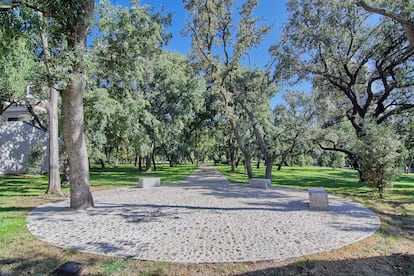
{"type": "Point", "coordinates": [149, 182]}
{"type": "Point", "coordinates": [318, 199]}
{"type": "Point", "coordinates": [260, 183]}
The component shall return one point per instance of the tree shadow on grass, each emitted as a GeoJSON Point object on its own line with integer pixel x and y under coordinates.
{"type": "Point", "coordinates": [36, 265]}
{"type": "Point", "coordinates": [16, 188]}
{"type": "Point", "coordinates": [395, 264]}
{"type": "Point", "coordinates": [14, 209]}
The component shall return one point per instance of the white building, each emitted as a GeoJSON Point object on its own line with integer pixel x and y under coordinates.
{"type": "Point", "coordinates": [18, 140]}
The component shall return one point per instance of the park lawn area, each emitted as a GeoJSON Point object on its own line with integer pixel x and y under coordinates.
{"type": "Point", "coordinates": [389, 252]}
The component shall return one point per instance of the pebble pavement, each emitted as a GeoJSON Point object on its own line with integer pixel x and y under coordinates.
{"type": "Point", "coordinates": [204, 219]}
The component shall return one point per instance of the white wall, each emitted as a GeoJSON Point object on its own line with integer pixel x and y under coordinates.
{"type": "Point", "coordinates": [16, 140]}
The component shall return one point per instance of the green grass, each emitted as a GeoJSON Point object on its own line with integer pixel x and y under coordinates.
{"type": "Point", "coordinates": [109, 177]}
{"type": "Point", "coordinates": [22, 185]}
{"type": "Point", "coordinates": [338, 181]}
{"type": "Point", "coordinates": [128, 175]}
{"type": "Point", "coordinates": [113, 266]}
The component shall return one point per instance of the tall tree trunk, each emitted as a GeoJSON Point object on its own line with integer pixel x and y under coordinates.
{"type": "Point", "coordinates": [269, 167]}
{"type": "Point", "coordinates": [232, 158]}
{"type": "Point", "coordinates": [54, 185]}
{"type": "Point", "coordinates": [233, 166]}
{"type": "Point", "coordinates": [75, 32]}
{"type": "Point", "coordinates": [153, 162]}
{"type": "Point", "coordinates": [237, 162]}
{"type": "Point", "coordinates": [72, 103]}
{"type": "Point", "coordinates": [148, 162]}
{"type": "Point", "coordinates": [139, 163]}
{"type": "Point", "coordinates": [153, 156]}
{"type": "Point", "coordinates": [54, 174]}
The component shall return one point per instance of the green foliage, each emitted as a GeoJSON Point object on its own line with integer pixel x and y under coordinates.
{"type": "Point", "coordinates": [154, 93]}
{"type": "Point", "coordinates": [128, 40]}
{"type": "Point", "coordinates": [331, 159]}
{"type": "Point", "coordinates": [36, 158]}
{"type": "Point", "coordinates": [378, 152]}
{"type": "Point", "coordinates": [17, 65]}
{"type": "Point", "coordinates": [361, 69]}
{"type": "Point", "coordinates": [99, 110]}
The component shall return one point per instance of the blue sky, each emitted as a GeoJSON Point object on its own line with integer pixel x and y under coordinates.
{"type": "Point", "coordinates": [272, 12]}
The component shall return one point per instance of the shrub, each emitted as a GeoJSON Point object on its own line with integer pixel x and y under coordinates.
{"type": "Point", "coordinates": [379, 157]}
{"type": "Point", "coordinates": [36, 157]}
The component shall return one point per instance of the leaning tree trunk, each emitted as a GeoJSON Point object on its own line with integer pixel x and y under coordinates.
{"type": "Point", "coordinates": [288, 152]}
{"type": "Point", "coordinates": [269, 159]}
{"type": "Point", "coordinates": [244, 150]}
{"type": "Point", "coordinates": [72, 106]}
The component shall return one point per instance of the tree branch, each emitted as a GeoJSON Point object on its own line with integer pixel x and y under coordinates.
{"type": "Point", "coordinates": [407, 25]}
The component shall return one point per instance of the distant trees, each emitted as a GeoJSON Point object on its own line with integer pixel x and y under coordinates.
{"type": "Point", "coordinates": [155, 94]}
{"type": "Point", "coordinates": [362, 72]}
{"type": "Point", "coordinates": [220, 42]}
{"type": "Point", "coordinates": [141, 102]}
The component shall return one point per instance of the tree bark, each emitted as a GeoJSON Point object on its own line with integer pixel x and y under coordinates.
{"type": "Point", "coordinates": [54, 174]}
{"type": "Point", "coordinates": [244, 150]}
{"type": "Point", "coordinates": [269, 159]}
{"type": "Point", "coordinates": [232, 156]}
{"type": "Point", "coordinates": [54, 184]}
{"type": "Point", "coordinates": [72, 103]}
{"type": "Point", "coordinates": [288, 152]}
{"type": "Point", "coordinates": [269, 168]}
{"type": "Point", "coordinates": [154, 165]}
{"type": "Point", "coordinates": [140, 163]}
{"type": "Point", "coordinates": [148, 162]}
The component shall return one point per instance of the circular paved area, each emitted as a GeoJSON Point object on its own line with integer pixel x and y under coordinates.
{"type": "Point", "coordinates": [203, 219]}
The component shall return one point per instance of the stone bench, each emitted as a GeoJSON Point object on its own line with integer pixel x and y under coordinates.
{"type": "Point", "coordinates": [318, 199]}
{"type": "Point", "coordinates": [260, 183]}
{"type": "Point", "coordinates": [149, 182]}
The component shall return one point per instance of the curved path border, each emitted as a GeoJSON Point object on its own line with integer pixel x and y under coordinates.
{"type": "Point", "coordinates": [202, 220]}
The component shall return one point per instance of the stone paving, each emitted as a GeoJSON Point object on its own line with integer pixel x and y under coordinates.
{"type": "Point", "coordinates": [204, 219]}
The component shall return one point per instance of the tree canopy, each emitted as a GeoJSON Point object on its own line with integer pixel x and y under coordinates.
{"type": "Point", "coordinates": [138, 102]}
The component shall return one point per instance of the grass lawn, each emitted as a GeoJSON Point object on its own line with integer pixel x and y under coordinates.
{"type": "Point", "coordinates": [389, 252]}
